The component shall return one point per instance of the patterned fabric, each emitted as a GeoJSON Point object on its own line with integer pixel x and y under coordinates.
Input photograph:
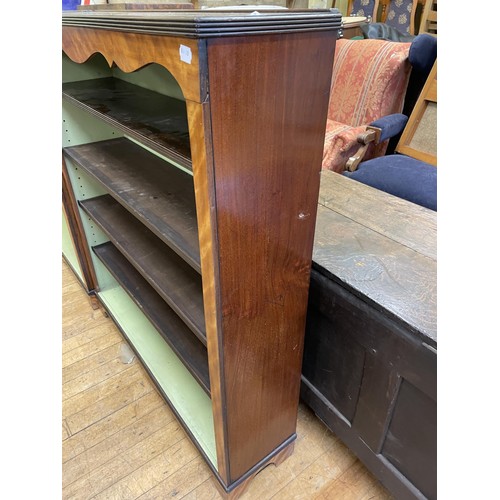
{"type": "Point", "coordinates": [363, 8]}
{"type": "Point", "coordinates": [399, 15]}
{"type": "Point", "coordinates": [341, 143]}
{"type": "Point", "coordinates": [369, 81]}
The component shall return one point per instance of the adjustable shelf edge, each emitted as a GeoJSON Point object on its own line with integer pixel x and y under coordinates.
{"type": "Point", "coordinates": [197, 208]}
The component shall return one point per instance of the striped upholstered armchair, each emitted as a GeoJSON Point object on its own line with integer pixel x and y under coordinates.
{"type": "Point", "coordinates": [369, 84]}
{"type": "Point", "coordinates": [369, 81]}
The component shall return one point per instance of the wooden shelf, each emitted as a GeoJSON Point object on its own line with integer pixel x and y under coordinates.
{"type": "Point", "coordinates": [159, 195]}
{"type": "Point", "coordinates": [157, 121]}
{"type": "Point", "coordinates": [172, 278]}
{"type": "Point", "coordinates": [189, 350]}
{"type": "Point", "coordinates": [187, 399]}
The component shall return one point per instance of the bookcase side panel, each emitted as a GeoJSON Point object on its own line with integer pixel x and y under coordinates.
{"type": "Point", "coordinates": [267, 152]}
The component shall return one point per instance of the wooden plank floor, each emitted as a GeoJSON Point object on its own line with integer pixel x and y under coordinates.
{"type": "Point", "coordinates": [121, 441]}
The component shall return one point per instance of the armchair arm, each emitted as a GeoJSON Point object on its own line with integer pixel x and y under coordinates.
{"type": "Point", "coordinates": [389, 125]}
{"type": "Point", "coordinates": [378, 131]}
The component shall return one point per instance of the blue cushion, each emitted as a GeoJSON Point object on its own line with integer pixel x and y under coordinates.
{"type": "Point", "coordinates": [401, 176]}
{"type": "Point", "coordinates": [391, 125]}
{"type": "Point", "coordinates": [423, 53]}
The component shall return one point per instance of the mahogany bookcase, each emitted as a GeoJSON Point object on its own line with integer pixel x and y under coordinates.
{"type": "Point", "coordinates": [192, 148]}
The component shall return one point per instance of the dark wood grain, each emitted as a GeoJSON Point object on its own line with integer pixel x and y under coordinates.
{"type": "Point", "coordinates": [158, 194]}
{"type": "Point", "coordinates": [190, 351]}
{"type": "Point", "coordinates": [411, 439]}
{"type": "Point", "coordinates": [378, 390]}
{"type": "Point", "coordinates": [355, 356]}
{"type": "Point", "coordinates": [267, 150]}
{"type": "Point", "coordinates": [77, 232]}
{"type": "Point", "coordinates": [172, 278]}
{"type": "Point", "coordinates": [333, 358]}
{"type": "Point", "coordinates": [340, 312]}
{"type": "Point", "coordinates": [159, 121]}
{"type": "Point", "coordinates": [372, 315]}
{"type": "Point", "coordinates": [393, 277]}
{"type": "Point", "coordinates": [405, 223]}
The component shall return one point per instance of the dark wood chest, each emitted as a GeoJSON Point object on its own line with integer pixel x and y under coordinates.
{"type": "Point", "coordinates": [370, 355]}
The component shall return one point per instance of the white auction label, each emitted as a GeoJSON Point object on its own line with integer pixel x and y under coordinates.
{"type": "Point", "coordinates": [185, 53]}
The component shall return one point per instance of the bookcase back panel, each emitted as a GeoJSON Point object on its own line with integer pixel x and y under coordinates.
{"type": "Point", "coordinates": [153, 77]}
